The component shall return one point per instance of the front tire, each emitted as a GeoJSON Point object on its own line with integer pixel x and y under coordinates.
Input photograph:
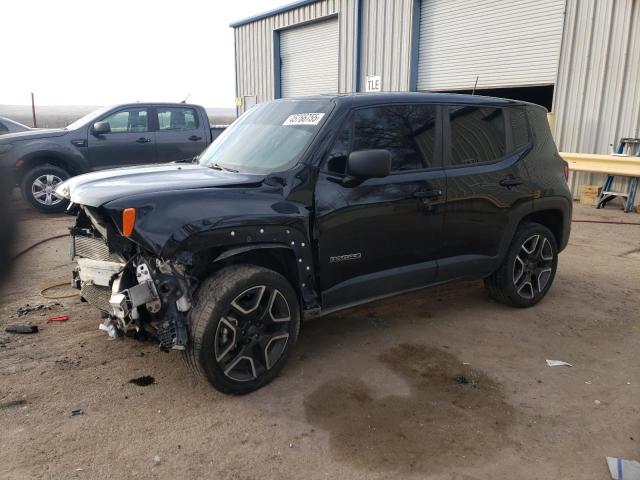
{"type": "Point", "coordinates": [528, 269]}
{"type": "Point", "coordinates": [38, 188]}
{"type": "Point", "coordinates": [243, 326]}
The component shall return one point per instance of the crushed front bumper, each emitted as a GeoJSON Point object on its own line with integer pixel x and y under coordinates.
{"type": "Point", "coordinates": [134, 294]}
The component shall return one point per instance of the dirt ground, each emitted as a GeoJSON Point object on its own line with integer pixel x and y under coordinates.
{"type": "Point", "coordinates": [438, 384]}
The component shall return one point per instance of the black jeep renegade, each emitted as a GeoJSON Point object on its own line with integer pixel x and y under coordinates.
{"type": "Point", "coordinates": [307, 206]}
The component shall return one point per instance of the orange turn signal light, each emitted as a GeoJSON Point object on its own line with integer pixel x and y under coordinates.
{"type": "Point", "coordinates": [128, 221]}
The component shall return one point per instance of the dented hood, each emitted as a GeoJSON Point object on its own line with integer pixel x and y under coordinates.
{"type": "Point", "coordinates": [97, 188]}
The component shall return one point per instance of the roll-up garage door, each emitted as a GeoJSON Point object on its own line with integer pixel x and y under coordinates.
{"type": "Point", "coordinates": [504, 43]}
{"type": "Point", "coordinates": [309, 59]}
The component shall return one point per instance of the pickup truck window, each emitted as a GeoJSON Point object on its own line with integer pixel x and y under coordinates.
{"type": "Point", "coordinates": [133, 120]}
{"type": "Point", "coordinates": [270, 137]}
{"type": "Point", "coordinates": [88, 118]}
{"type": "Point", "coordinates": [176, 119]}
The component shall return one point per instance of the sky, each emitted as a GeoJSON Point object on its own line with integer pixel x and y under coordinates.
{"type": "Point", "coordinates": [88, 52]}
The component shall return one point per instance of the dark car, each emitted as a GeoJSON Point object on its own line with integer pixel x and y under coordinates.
{"type": "Point", "coordinates": [10, 126]}
{"type": "Point", "coordinates": [308, 206]}
{"type": "Point", "coordinates": [118, 136]}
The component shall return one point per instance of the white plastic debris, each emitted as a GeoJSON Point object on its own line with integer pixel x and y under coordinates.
{"type": "Point", "coordinates": [109, 328]}
{"type": "Point", "coordinates": [597, 402]}
{"type": "Point", "coordinates": [558, 363]}
{"type": "Point", "coordinates": [156, 459]}
{"type": "Point", "coordinates": [623, 469]}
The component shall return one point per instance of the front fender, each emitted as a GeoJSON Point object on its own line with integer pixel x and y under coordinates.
{"type": "Point", "coordinates": [304, 282]}
{"type": "Point", "coordinates": [58, 149]}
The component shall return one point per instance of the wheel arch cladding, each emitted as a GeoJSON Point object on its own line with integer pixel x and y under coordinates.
{"type": "Point", "coordinates": [277, 257]}
{"type": "Point", "coordinates": [38, 159]}
{"type": "Point", "coordinates": [552, 219]}
{"type": "Point", "coordinates": [283, 249]}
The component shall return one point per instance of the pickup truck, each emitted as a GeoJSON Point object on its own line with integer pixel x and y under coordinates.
{"type": "Point", "coordinates": [10, 126]}
{"type": "Point", "coordinates": [116, 136]}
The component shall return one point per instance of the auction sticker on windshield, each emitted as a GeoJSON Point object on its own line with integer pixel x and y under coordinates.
{"type": "Point", "coordinates": [304, 119]}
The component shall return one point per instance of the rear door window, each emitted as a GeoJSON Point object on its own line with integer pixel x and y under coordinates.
{"type": "Point", "coordinates": [484, 134]}
{"type": "Point", "coordinates": [176, 119]}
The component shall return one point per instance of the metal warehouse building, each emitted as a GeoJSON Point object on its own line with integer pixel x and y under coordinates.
{"type": "Point", "coordinates": [579, 58]}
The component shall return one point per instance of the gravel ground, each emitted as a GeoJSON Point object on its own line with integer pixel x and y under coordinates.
{"type": "Point", "coordinates": [437, 384]}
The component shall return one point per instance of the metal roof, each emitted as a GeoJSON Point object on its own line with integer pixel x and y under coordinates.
{"type": "Point", "coordinates": [275, 11]}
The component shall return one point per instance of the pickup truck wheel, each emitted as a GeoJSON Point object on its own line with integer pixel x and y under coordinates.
{"type": "Point", "coordinates": [243, 325]}
{"type": "Point", "coordinates": [528, 269]}
{"type": "Point", "coordinates": [38, 188]}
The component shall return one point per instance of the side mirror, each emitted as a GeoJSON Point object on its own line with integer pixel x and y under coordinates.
{"type": "Point", "coordinates": [100, 128]}
{"type": "Point", "coordinates": [369, 163]}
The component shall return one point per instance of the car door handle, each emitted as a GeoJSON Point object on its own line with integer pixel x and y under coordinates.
{"type": "Point", "coordinates": [511, 182]}
{"type": "Point", "coordinates": [143, 140]}
{"type": "Point", "coordinates": [428, 194]}
{"type": "Point", "coordinates": [195, 138]}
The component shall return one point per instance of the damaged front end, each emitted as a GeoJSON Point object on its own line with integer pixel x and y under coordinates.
{"type": "Point", "coordinates": [137, 292]}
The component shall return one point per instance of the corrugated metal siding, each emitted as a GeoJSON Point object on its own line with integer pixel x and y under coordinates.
{"type": "Point", "coordinates": [255, 47]}
{"type": "Point", "coordinates": [504, 43]}
{"type": "Point", "coordinates": [597, 97]}
{"type": "Point", "coordinates": [386, 43]}
{"type": "Point", "coordinates": [310, 59]}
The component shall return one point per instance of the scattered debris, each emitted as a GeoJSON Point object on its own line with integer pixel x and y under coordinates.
{"type": "Point", "coordinates": [378, 322]}
{"type": "Point", "coordinates": [21, 329]}
{"type": "Point", "coordinates": [12, 403]}
{"type": "Point", "coordinates": [464, 380]}
{"type": "Point", "coordinates": [59, 318]}
{"type": "Point", "coordinates": [156, 459]}
{"type": "Point", "coordinates": [143, 381]}
{"type": "Point", "coordinates": [28, 308]}
{"type": "Point", "coordinates": [109, 327]}
{"type": "Point", "coordinates": [621, 469]}
{"type": "Point", "coordinates": [77, 412]}
{"type": "Point", "coordinates": [558, 363]}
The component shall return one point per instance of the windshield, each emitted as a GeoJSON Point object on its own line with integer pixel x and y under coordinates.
{"type": "Point", "coordinates": [87, 118]}
{"type": "Point", "coordinates": [270, 137]}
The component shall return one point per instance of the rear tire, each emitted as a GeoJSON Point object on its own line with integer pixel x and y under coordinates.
{"type": "Point", "coordinates": [38, 188]}
{"type": "Point", "coordinates": [242, 328]}
{"type": "Point", "coordinates": [528, 269]}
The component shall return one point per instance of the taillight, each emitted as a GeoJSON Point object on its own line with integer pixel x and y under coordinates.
{"type": "Point", "coordinates": [565, 171]}
{"type": "Point", "coordinates": [128, 221]}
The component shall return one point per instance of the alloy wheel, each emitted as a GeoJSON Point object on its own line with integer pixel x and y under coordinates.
{"type": "Point", "coordinates": [43, 189]}
{"type": "Point", "coordinates": [533, 266]}
{"type": "Point", "coordinates": [253, 334]}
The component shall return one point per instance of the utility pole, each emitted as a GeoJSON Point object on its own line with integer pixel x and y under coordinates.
{"type": "Point", "coordinates": [33, 111]}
